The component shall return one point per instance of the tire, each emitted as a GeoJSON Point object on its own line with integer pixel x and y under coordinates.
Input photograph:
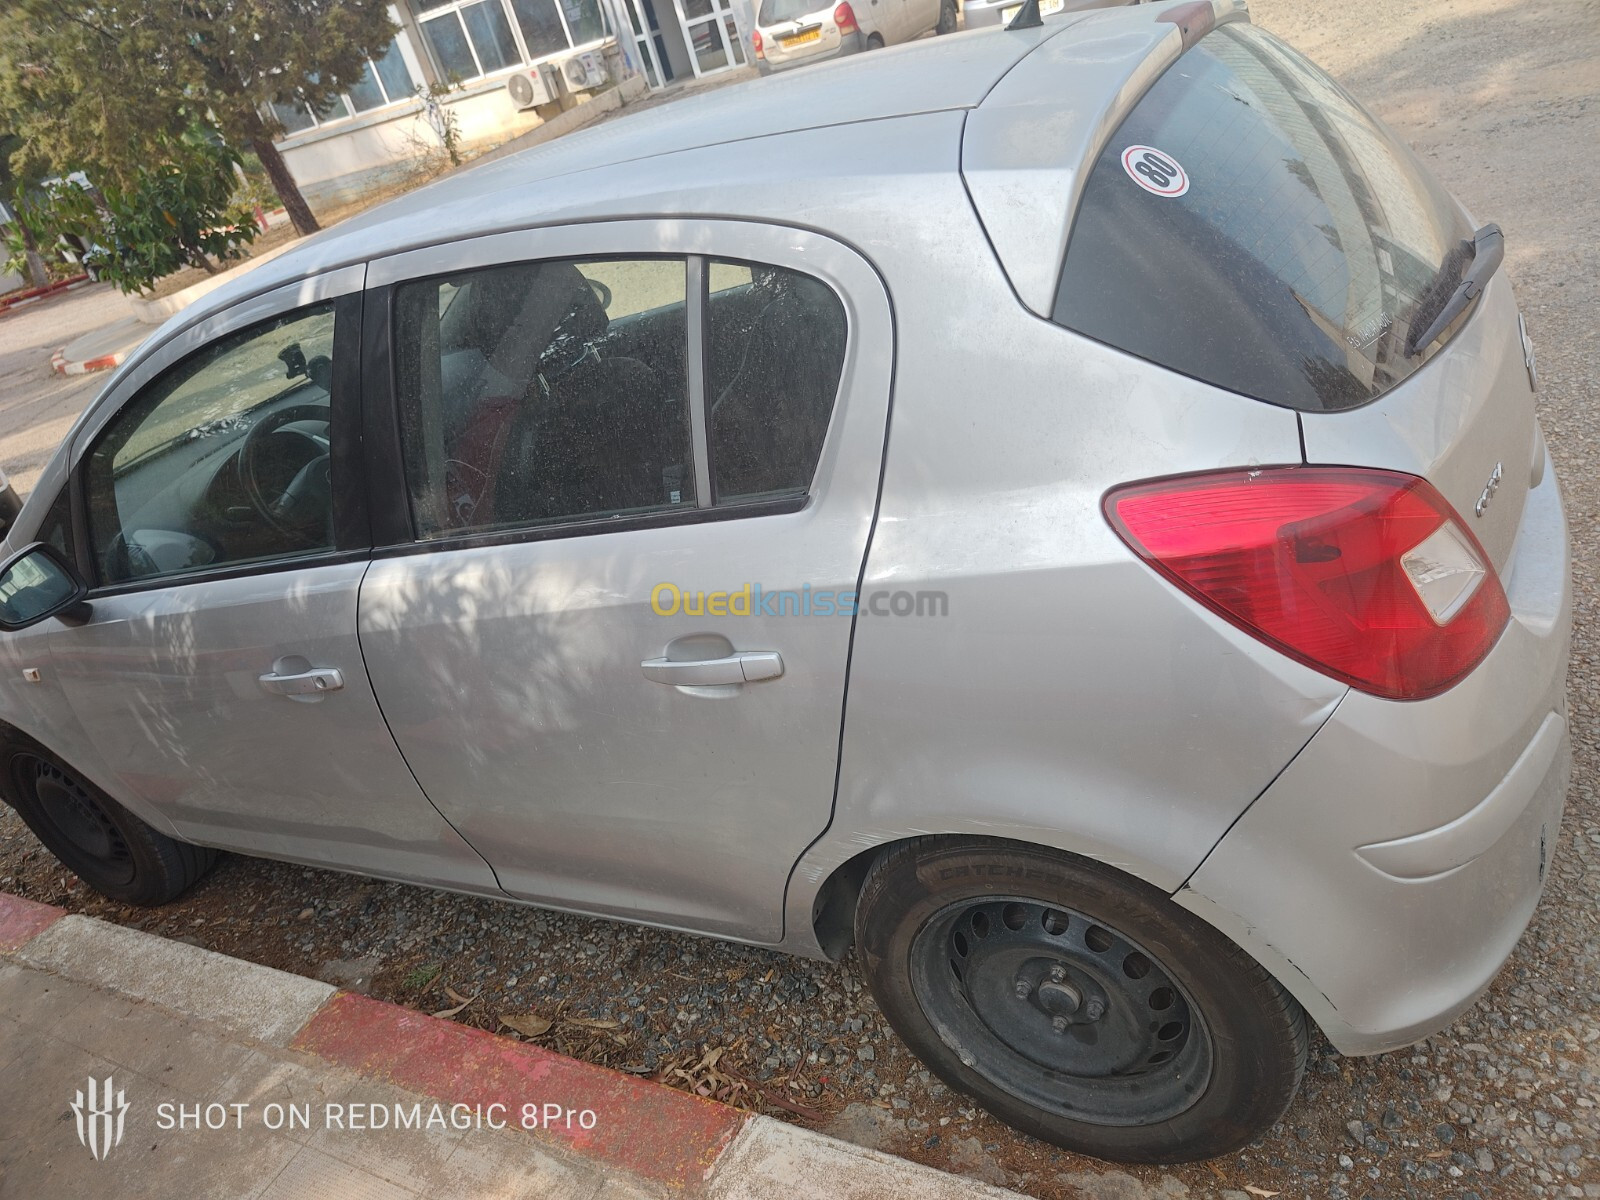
{"type": "Point", "coordinates": [947, 17]}
{"type": "Point", "coordinates": [93, 836]}
{"type": "Point", "coordinates": [1075, 1003]}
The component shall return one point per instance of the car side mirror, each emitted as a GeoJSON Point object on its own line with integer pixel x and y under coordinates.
{"type": "Point", "coordinates": [36, 583]}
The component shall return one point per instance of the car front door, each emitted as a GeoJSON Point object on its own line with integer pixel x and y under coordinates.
{"type": "Point", "coordinates": [220, 521]}
{"type": "Point", "coordinates": [612, 630]}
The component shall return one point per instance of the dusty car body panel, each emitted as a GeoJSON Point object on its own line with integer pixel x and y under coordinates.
{"type": "Point", "coordinates": [1447, 426]}
{"type": "Point", "coordinates": [1426, 827]}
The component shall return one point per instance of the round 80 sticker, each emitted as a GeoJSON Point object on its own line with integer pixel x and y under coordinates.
{"type": "Point", "coordinates": [1156, 172]}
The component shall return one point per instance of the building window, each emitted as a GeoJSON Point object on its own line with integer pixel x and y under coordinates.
{"type": "Point", "coordinates": [473, 38]}
{"type": "Point", "coordinates": [386, 80]}
{"type": "Point", "coordinates": [584, 20]}
{"type": "Point", "coordinates": [542, 30]}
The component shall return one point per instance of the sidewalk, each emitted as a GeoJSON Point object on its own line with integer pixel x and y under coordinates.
{"type": "Point", "coordinates": [243, 1081]}
{"type": "Point", "coordinates": [103, 348]}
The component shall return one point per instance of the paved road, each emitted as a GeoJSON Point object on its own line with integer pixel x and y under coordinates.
{"type": "Point", "coordinates": [37, 406]}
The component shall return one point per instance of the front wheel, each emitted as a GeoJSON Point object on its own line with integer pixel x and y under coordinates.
{"type": "Point", "coordinates": [1075, 1003]}
{"type": "Point", "coordinates": [101, 842]}
{"type": "Point", "coordinates": [947, 17]}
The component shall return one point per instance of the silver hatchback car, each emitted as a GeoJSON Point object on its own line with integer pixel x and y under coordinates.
{"type": "Point", "coordinates": [1059, 508]}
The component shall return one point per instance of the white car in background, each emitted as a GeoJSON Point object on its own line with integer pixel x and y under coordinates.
{"type": "Point", "coordinates": [790, 33]}
{"type": "Point", "coordinates": [979, 14]}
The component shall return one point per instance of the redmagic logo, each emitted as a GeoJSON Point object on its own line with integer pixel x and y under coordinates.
{"type": "Point", "coordinates": [100, 1115]}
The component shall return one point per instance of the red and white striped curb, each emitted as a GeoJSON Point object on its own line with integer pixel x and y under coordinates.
{"type": "Point", "coordinates": [687, 1145]}
{"type": "Point", "coordinates": [32, 295]}
{"type": "Point", "coordinates": [65, 366]}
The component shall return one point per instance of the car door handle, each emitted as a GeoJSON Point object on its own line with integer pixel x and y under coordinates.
{"type": "Point", "coordinates": [736, 668]}
{"type": "Point", "coordinates": [306, 683]}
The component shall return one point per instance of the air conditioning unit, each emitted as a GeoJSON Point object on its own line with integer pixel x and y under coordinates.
{"type": "Point", "coordinates": [585, 71]}
{"type": "Point", "coordinates": [532, 87]}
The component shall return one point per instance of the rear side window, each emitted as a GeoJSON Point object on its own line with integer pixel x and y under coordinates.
{"type": "Point", "coordinates": [1250, 226]}
{"type": "Point", "coordinates": [773, 11]}
{"type": "Point", "coordinates": [775, 354]}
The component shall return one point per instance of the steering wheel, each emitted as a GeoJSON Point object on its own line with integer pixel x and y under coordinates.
{"type": "Point", "coordinates": [304, 506]}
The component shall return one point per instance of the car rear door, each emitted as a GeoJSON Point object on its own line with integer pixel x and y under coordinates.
{"type": "Point", "coordinates": [632, 459]}
{"type": "Point", "coordinates": [220, 519]}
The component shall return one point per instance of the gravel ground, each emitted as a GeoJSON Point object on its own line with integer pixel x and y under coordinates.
{"type": "Point", "coordinates": [1503, 99]}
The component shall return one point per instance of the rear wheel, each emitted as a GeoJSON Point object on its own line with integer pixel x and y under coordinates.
{"type": "Point", "coordinates": [97, 839]}
{"type": "Point", "coordinates": [1075, 1003]}
{"type": "Point", "coordinates": [947, 17]}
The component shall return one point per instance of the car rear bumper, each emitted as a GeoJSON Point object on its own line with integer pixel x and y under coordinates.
{"type": "Point", "coordinates": [1387, 873]}
{"type": "Point", "coordinates": [850, 43]}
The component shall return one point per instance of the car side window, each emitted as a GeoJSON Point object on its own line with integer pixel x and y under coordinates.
{"type": "Point", "coordinates": [775, 355]}
{"type": "Point", "coordinates": [223, 459]}
{"type": "Point", "coordinates": [546, 392]}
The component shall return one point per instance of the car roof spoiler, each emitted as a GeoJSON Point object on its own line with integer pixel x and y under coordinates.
{"type": "Point", "coordinates": [1026, 150]}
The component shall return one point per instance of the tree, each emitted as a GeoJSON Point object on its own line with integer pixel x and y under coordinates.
{"type": "Point", "coordinates": [13, 189]}
{"type": "Point", "coordinates": [177, 213]}
{"type": "Point", "coordinates": [102, 87]}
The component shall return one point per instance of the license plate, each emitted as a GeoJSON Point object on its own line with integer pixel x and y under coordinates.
{"type": "Point", "coordinates": [815, 35]}
{"type": "Point", "coordinates": [1046, 7]}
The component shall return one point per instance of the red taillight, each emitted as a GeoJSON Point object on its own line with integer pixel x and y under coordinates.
{"type": "Point", "coordinates": [755, 41]}
{"type": "Point", "coordinates": [845, 18]}
{"type": "Point", "coordinates": [1365, 575]}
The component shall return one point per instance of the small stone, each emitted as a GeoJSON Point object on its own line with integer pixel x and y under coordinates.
{"type": "Point", "coordinates": [866, 1054]}
{"type": "Point", "coordinates": [1356, 1131]}
{"type": "Point", "coordinates": [1445, 1133]}
{"type": "Point", "coordinates": [306, 914]}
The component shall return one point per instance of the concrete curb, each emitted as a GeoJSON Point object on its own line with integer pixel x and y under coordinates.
{"type": "Point", "coordinates": [62, 365]}
{"type": "Point", "coordinates": [665, 1139]}
{"type": "Point", "coordinates": [22, 299]}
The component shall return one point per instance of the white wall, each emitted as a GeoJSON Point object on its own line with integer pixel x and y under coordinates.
{"type": "Point", "coordinates": [336, 164]}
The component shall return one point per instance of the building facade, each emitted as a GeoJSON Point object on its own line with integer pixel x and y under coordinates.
{"type": "Point", "coordinates": [449, 65]}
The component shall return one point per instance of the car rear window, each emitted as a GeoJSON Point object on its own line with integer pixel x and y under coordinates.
{"type": "Point", "coordinates": [773, 11]}
{"type": "Point", "coordinates": [1251, 226]}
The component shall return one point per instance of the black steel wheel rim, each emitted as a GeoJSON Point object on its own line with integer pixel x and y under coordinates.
{"type": "Point", "coordinates": [78, 819]}
{"type": "Point", "coordinates": [1061, 1011]}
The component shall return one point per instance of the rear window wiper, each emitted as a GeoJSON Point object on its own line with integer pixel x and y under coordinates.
{"type": "Point", "coordinates": [1488, 249]}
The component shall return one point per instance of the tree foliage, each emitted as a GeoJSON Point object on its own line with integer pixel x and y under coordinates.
{"type": "Point", "coordinates": [176, 214]}
{"type": "Point", "coordinates": [19, 247]}
{"type": "Point", "coordinates": [104, 87]}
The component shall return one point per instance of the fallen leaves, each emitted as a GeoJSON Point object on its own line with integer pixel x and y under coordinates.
{"type": "Point", "coordinates": [1262, 1192]}
{"type": "Point", "coordinates": [461, 1003]}
{"type": "Point", "coordinates": [706, 1078]}
{"type": "Point", "coordinates": [530, 1025]}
